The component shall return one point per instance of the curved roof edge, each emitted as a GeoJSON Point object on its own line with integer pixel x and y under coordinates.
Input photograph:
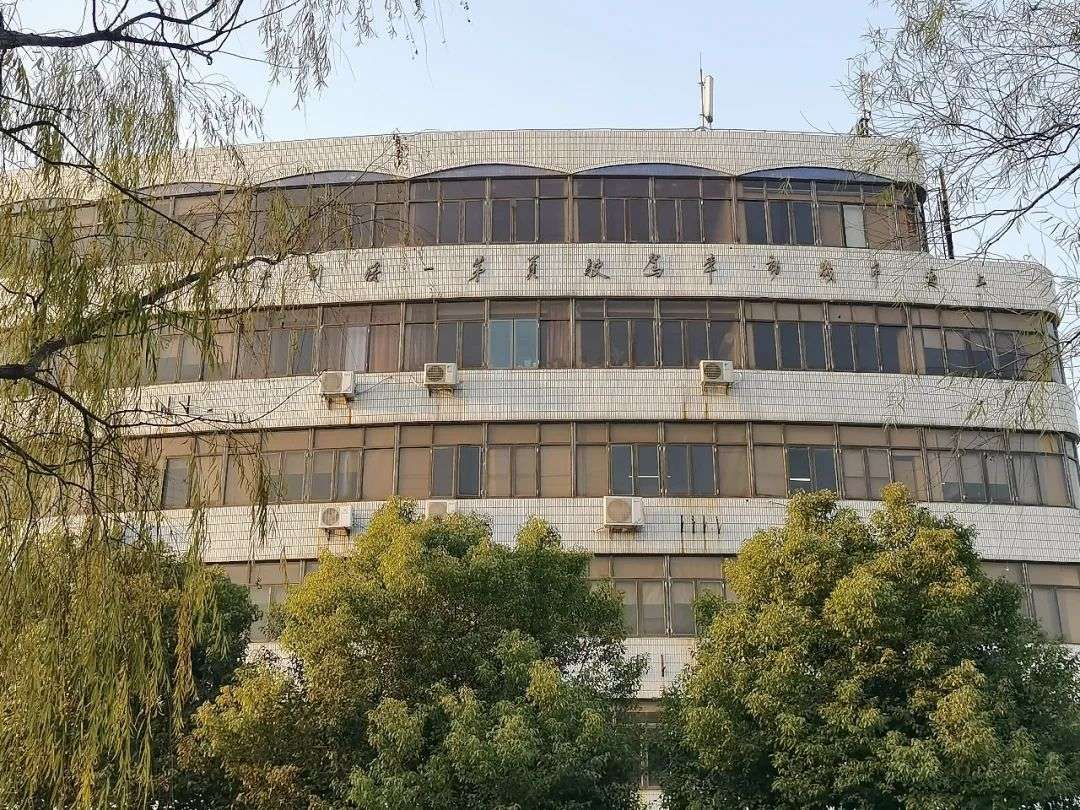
{"type": "Point", "coordinates": [726, 152]}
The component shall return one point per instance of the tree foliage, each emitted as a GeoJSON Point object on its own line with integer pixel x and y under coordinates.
{"type": "Point", "coordinates": [433, 668]}
{"type": "Point", "coordinates": [72, 660]}
{"type": "Point", "coordinates": [871, 665]}
{"type": "Point", "coordinates": [990, 92]}
{"type": "Point", "coordinates": [98, 115]}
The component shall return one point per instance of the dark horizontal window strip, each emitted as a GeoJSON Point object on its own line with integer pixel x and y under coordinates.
{"type": "Point", "coordinates": [658, 589]}
{"type": "Point", "coordinates": [592, 459]}
{"type": "Point", "coordinates": [337, 212]}
{"type": "Point", "coordinates": [618, 333]}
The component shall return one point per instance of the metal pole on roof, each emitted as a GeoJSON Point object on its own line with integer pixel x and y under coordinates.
{"type": "Point", "coordinates": [946, 221]}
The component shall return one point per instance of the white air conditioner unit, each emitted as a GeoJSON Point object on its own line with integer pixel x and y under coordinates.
{"type": "Point", "coordinates": [336, 519]}
{"type": "Point", "coordinates": [439, 508]}
{"type": "Point", "coordinates": [337, 385]}
{"type": "Point", "coordinates": [623, 513]}
{"type": "Point", "coordinates": [717, 375]}
{"type": "Point", "coordinates": [440, 376]}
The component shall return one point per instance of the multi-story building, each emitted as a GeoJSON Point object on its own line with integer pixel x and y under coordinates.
{"type": "Point", "coordinates": [577, 280]}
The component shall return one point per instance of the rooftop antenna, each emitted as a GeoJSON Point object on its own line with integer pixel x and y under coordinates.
{"type": "Point", "coordinates": [862, 126]}
{"type": "Point", "coordinates": [705, 82]}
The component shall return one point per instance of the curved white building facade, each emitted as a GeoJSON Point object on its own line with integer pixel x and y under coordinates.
{"type": "Point", "coordinates": [576, 280]}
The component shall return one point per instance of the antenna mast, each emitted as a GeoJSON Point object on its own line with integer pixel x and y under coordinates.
{"type": "Point", "coordinates": [705, 82]}
{"type": "Point", "coordinates": [862, 126]}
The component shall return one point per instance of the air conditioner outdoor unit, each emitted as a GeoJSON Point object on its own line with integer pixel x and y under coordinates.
{"type": "Point", "coordinates": [440, 376]}
{"type": "Point", "coordinates": [337, 385]}
{"type": "Point", "coordinates": [439, 508]}
{"type": "Point", "coordinates": [623, 513]}
{"type": "Point", "coordinates": [717, 375]}
{"type": "Point", "coordinates": [335, 519]}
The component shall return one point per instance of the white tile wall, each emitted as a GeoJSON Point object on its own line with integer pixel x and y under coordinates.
{"type": "Point", "coordinates": [672, 526]}
{"type": "Point", "coordinates": [414, 154]}
{"type": "Point", "coordinates": [442, 271]}
{"type": "Point", "coordinates": [557, 394]}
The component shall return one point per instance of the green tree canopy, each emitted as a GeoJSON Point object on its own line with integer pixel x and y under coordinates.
{"type": "Point", "coordinates": [871, 665]}
{"type": "Point", "coordinates": [103, 106]}
{"type": "Point", "coordinates": [77, 658]}
{"type": "Point", "coordinates": [432, 667]}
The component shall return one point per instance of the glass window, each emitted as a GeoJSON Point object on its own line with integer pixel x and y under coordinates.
{"type": "Point", "coordinates": [637, 220]}
{"type": "Point", "coordinates": [590, 343]}
{"type": "Point", "coordinates": [944, 476]}
{"type": "Point", "coordinates": [832, 229]}
{"type": "Point", "coordinates": [843, 357]}
{"type": "Point", "coordinates": [778, 223]}
{"type": "Point", "coordinates": [646, 469]}
{"type": "Point", "coordinates": [824, 461]}
{"type": "Point", "coordinates": [653, 621]}
{"type": "Point", "coordinates": [790, 357]}
{"type": "Point", "coordinates": [588, 220]}
{"type": "Point", "coordinates": [347, 475]}
{"type": "Point", "coordinates": [383, 348]}
{"type": "Point", "coordinates": [770, 476]}
{"type": "Point", "coordinates": [723, 340]}
{"type": "Point", "coordinates": [320, 487]}
{"type": "Point", "coordinates": [671, 344]}
{"type": "Point", "coordinates": [865, 342]}
{"type": "Point", "coordinates": [643, 348]}
{"type": "Point", "coordinates": [614, 220]}
{"type": "Point", "coordinates": [974, 479]}
{"type": "Point", "coordinates": [1069, 613]}
{"type": "Point", "coordinates": [677, 469]}
{"type": "Point", "coordinates": [1052, 484]}
{"type": "Point", "coordinates": [293, 472]}
{"type": "Point", "coordinates": [176, 483]}
{"type": "Point", "coordinates": [592, 471]}
{"type": "Point", "coordinates": [414, 472]}
{"type": "Point", "coordinates": [702, 474]}
{"type": "Point", "coordinates": [803, 223]}
{"type": "Point", "coordinates": [555, 344]}
{"type": "Point", "coordinates": [666, 228]}
{"type": "Point", "coordinates": [813, 344]}
{"type": "Point", "coordinates": [697, 342]}
{"type": "Point", "coordinates": [732, 471]}
{"type": "Point", "coordinates": [1044, 601]}
{"type": "Point", "coordinates": [526, 346]}
{"type": "Point", "coordinates": [752, 224]}
{"type": "Point", "coordinates": [420, 345]}
{"type": "Point", "coordinates": [895, 353]}
{"type": "Point", "coordinates": [682, 608]}
{"type": "Point", "coordinates": [628, 590]}
{"type": "Point", "coordinates": [929, 351]}
{"type": "Point", "coordinates": [468, 472]}
{"type": "Point", "coordinates": [762, 346]}
{"type": "Point", "coordinates": [997, 475]}
{"type": "Point", "coordinates": [423, 222]}
{"type": "Point", "coordinates": [500, 344]}
{"type": "Point", "coordinates": [524, 220]}
{"type": "Point", "coordinates": [853, 465]}
{"type": "Point", "coordinates": [854, 227]}
{"type": "Point", "coordinates": [800, 474]}
{"type": "Point", "coordinates": [555, 472]}
{"type": "Point", "coordinates": [552, 216]}
{"type": "Point", "coordinates": [908, 469]}
{"type": "Point", "coordinates": [378, 477]}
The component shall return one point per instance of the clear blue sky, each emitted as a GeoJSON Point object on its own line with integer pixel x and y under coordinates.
{"type": "Point", "coordinates": [593, 63]}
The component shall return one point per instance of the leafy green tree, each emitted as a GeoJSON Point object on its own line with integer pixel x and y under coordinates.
{"type": "Point", "coordinates": [102, 106]}
{"type": "Point", "coordinates": [220, 640]}
{"type": "Point", "coordinates": [871, 665]}
{"type": "Point", "coordinates": [432, 667]}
